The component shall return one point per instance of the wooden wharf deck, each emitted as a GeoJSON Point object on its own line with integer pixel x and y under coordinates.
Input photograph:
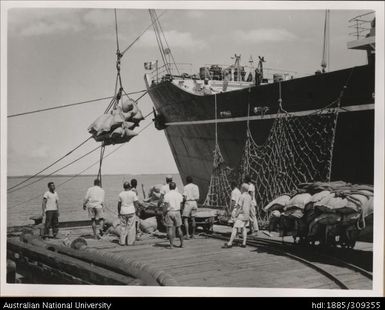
{"type": "Point", "coordinates": [204, 263]}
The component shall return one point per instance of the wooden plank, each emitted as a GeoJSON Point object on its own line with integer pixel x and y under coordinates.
{"type": "Point", "coordinates": [70, 265]}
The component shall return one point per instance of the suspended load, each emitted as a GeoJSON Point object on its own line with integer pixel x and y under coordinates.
{"type": "Point", "coordinates": [117, 125]}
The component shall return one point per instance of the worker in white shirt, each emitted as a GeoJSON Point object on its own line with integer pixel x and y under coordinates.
{"type": "Point", "coordinates": [190, 198]}
{"type": "Point", "coordinates": [94, 202]}
{"type": "Point", "coordinates": [172, 217]}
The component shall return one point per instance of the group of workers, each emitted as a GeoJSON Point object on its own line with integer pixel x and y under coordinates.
{"type": "Point", "coordinates": [175, 207]}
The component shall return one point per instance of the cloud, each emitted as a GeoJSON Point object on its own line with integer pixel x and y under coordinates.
{"type": "Point", "coordinates": [43, 28]}
{"type": "Point", "coordinates": [36, 22]}
{"type": "Point", "coordinates": [100, 18]}
{"type": "Point", "coordinates": [174, 38]}
{"type": "Point", "coordinates": [265, 35]}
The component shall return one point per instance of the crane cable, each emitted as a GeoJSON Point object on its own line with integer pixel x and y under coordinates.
{"type": "Point", "coordinates": [56, 161]}
{"type": "Point", "coordinates": [45, 176]}
{"type": "Point", "coordinates": [74, 104]}
{"type": "Point", "coordinates": [84, 170]}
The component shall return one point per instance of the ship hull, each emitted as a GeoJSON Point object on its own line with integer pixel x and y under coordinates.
{"type": "Point", "coordinates": [191, 119]}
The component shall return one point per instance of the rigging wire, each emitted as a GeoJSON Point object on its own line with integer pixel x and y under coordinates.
{"type": "Point", "coordinates": [73, 104]}
{"type": "Point", "coordinates": [114, 102]}
{"type": "Point", "coordinates": [165, 40]}
{"type": "Point", "coordinates": [148, 27]}
{"type": "Point", "coordinates": [57, 170]}
{"type": "Point", "coordinates": [84, 170]}
{"type": "Point", "coordinates": [56, 161]}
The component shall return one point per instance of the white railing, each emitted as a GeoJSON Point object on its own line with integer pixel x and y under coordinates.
{"type": "Point", "coordinates": [361, 25]}
{"type": "Point", "coordinates": [186, 71]}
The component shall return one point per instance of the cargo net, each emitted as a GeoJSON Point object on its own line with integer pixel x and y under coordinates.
{"type": "Point", "coordinates": [219, 192]}
{"type": "Point", "coordinates": [297, 150]}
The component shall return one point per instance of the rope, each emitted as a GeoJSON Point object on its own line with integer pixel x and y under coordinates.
{"type": "Point", "coordinates": [72, 104]}
{"type": "Point", "coordinates": [84, 170]}
{"type": "Point", "coordinates": [99, 177]}
{"type": "Point", "coordinates": [335, 124]}
{"type": "Point", "coordinates": [46, 176]}
{"type": "Point", "coordinates": [148, 27]}
{"type": "Point", "coordinates": [56, 161]}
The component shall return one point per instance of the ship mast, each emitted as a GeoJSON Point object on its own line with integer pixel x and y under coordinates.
{"type": "Point", "coordinates": [164, 49]}
{"type": "Point", "coordinates": [325, 49]}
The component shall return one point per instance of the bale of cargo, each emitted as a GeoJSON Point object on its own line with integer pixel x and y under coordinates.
{"type": "Point", "coordinates": [117, 118]}
{"type": "Point", "coordinates": [101, 124]}
{"type": "Point", "coordinates": [294, 213]}
{"type": "Point", "coordinates": [129, 125]}
{"type": "Point", "coordinates": [148, 225]}
{"type": "Point", "coordinates": [277, 204]}
{"type": "Point", "coordinates": [137, 117]}
{"type": "Point", "coordinates": [367, 208]}
{"type": "Point", "coordinates": [319, 196]}
{"type": "Point", "coordinates": [298, 201]}
{"type": "Point", "coordinates": [128, 105]}
{"type": "Point", "coordinates": [120, 135]}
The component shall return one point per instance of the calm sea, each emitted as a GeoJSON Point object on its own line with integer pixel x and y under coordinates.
{"type": "Point", "coordinates": [26, 202]}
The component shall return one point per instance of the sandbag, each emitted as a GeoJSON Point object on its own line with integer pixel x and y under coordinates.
{"type": "Point", "coordinates": [298, 201]}
{"type": "Point", "coordinates": [128, 105]}
{"type": "Point", "coordinates": [320, 195]}
{"type": "Point", "coordinates": [367, 208]}
{"type": "Point", "coordinates": [101, 124]}
{"type": "Point", "coordinates": [276, 214]}
{"type": "Point", "coordinates": [116, 137]}
{"type": "Point", "coordinates": [137, 117]}
{"type": "Point", "coordinates": [128, 125]}
{"type": "Point", "coordinates": [294, 213]}
{"type": "Point", "coordinates": [117, 118]}
{"type": "Point", "coordinates": [118, 133]}
{"type": "Point", "coordinates": [278, 203]}
{"type": "Point", "coordinates": [148, 225]}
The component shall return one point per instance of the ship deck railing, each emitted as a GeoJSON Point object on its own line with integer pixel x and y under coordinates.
{"type": "Point", "coordinates": [184, 71]}
{"type": "Point", "coordinates": [361, 25]}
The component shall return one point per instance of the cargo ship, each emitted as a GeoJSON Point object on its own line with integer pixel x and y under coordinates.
{"type": "Point", "coordinates": [223, 106]}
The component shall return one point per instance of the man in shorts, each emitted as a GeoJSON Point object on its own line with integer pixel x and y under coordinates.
{"type": "Point", "coordinates": [50, 208]}
{"type": "Point", "coordinates": [94, 202]}
{"type": "Point", "coordinates": [242, 217]}
{"type": "Point", "coordinates": [171, 210]}
{"type": "Point", "coordinates": [190, 198]}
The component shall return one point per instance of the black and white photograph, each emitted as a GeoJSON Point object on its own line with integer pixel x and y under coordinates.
{"type": "Point", "coordinates": [173, 148]}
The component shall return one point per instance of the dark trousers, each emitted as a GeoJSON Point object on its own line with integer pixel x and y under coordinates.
{"type": "Point", "coordinates": [51, 221]}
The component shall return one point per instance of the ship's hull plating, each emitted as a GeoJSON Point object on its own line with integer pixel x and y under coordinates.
{"type": "Point", "coordinates": [191, 121]}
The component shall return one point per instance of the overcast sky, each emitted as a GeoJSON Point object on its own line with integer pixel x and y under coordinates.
{"type": "Point", "coordinates": [58, 56]}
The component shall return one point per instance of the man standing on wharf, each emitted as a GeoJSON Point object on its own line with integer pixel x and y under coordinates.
{"type": "Point", "coordinates": [50, 208]}
{"type": "Point", "coordinates": [191, 197]}
{"type": "Point", "coordinates": [127, 205]}
{"type": "Point", "coordinates": [94, 201]}
{"type": "Point", "coordinates": [171, 211]}
{"type": "Point", "coordinates": [242, 216]}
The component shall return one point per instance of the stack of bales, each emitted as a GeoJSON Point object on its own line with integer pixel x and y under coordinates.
{"type": "Point", "coordinates": [322, 211]}
{"type": "Point", "coordinates": [117, 125]}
